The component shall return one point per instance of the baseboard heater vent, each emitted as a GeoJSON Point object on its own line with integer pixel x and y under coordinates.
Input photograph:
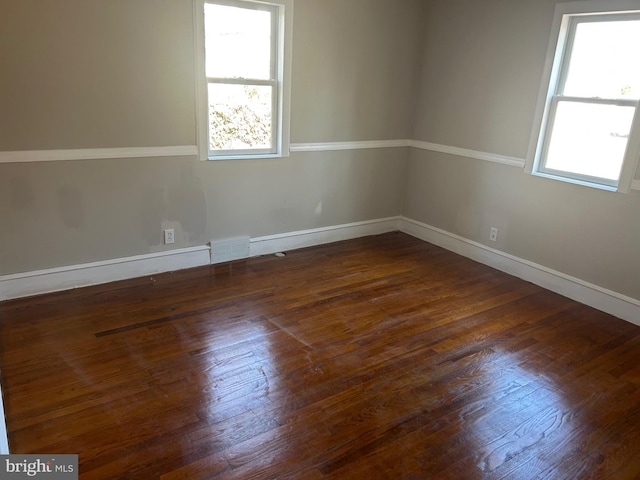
{"type": "Point", "coordinates": [229, 249]}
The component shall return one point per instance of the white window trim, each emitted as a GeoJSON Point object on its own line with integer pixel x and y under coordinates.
{"type": "Point", "coordinates": [550, 78]}
{"type": "Point", "coordinates": [285, 50]}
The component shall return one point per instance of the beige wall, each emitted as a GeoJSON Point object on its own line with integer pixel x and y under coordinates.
{"type": "Point", "coordinates": [462, 73]}
{"type": "Point", "coordinates": [96, 73]}
{"type": "Point", "coordinates": [586, 233]}
{"type": "Point", "coordinates": [66, 213]}
{"type": "Point", "coordinates": [70, 212]}
{"type": "Point", "coordinates": [481, 72]}
{"type": "Point", "coordinates": [355, 66]}
{"type": "Point", "coordinates": [480, 78]}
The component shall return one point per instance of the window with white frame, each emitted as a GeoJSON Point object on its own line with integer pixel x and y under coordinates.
{"type": "Point", "coordinates": [588, 126]}
{"type": "Point", "coordinates": [243, 49]}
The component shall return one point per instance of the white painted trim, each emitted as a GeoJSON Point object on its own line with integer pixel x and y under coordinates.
{"type": "Point", "coordinates": [281, 51]}
{"type": "Point", "coordinates": [594, 6]}
{"type": "Point", "coordinates": [550, 75]}
{"type": "Point", "coordinates": [201, 108]}
{"type": "Point", "coordinates": [64, 278]}
{"type": "Point", "coordinates": [74, 276]}
{"type": "Point", "coordinates": [575, 181]}
{"type": "Point", "coordinates": [4, 440]}
{"type": "Point", "coordinates": [97, 153]}
{"type": "Point", "coordinates": [464, 152]}
{"type": "Point", "coordinates": [329, 146]}
{"type": "Point", "coordinates": [555, 70]}
{"type": "Point", "coordinates": [587, 293]}
{"type": "Point", "coordinates": [192, 151]}
{"type": "Point", "coordinates": [433, 147]}
{"type": "Point", "coordinates": [306, 238]}
{"type": "Point", "coordinates": [285, 8]}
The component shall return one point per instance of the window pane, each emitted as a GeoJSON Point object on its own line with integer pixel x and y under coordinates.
{"type": "Point", "coordinates": [240, 117]}
{"type": "Point", "coordinates": [604, 60]}
{"type": "Point", "coordinates": [589, 139]}
{"type": "Point", "coordinates": [237, 42]}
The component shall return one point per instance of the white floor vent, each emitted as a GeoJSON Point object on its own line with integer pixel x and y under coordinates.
{"type": "Point", "coordinates": [229, 249]}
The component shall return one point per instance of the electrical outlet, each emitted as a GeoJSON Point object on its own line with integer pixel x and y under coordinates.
{"type": "Point", "coordinates": [169, 236]}
{"type": "Point", "coordinates": [493, 236]}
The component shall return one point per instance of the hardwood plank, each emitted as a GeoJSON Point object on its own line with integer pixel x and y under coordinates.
{"type": "Point", "coordinates": [381, 357]}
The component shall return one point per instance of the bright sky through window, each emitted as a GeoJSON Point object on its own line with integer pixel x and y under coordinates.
{"type": "Point", "coordinates": [605, 62]}
{"type": "Point", "coordinates": [591, 125]}
{"type": "Point", "coordinates": [238, 42]}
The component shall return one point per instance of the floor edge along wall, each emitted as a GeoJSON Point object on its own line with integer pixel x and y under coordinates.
{"type": "Point", "coordinates": [64, 278]}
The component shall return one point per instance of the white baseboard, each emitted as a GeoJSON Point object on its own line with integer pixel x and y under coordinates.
{"type": "Point", "coordinates": [317, 236]}
{"type": "Point", "coordinates": [74, 276]}
{"type": "Point", "coordinates": [65, 278]}
{"type": "Point", "coordinates": [57, 279]}
{"type": "Point", "coordinates": [4, 441]}
{"type": "Point", "coordinates": [614, 303]}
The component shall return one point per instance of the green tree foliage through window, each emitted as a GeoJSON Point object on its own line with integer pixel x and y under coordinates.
{"type": "Point", "coordinates": [241, 124]}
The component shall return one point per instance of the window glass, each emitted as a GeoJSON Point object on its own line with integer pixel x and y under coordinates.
{"type": "Point", "coordinates": [589, 139]}
{"type": "Point", "coordinates": [604, 60]}
{"type": "Point", "coordinates": [239, 117]}
{"type": "Point", "coordinates": [237, 42]}
{"type": "Point", "coordinates": [590, 126]}
{"type": "Point", "coordinates": [243, 78]}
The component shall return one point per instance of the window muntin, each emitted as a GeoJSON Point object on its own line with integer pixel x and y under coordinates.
{"type": "Point", "coordinates": [590, 120]}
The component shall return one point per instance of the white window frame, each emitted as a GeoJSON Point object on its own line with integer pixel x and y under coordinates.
{"type": "Point", "coordinates": [280, 81]}
{"type": "Point", "coordinates": [563, 28]}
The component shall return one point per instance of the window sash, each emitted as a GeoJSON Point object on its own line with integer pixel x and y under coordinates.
{"type": "Point", "coordinates": [281, 43]}
{"type": "Point", "coordinates": [273, 149]}
{"type": "Point", "coordinates": [574, 23]}
{"type": "Point", "coordinates": [555, 101]}
{"type": "Point", "coordinates": [275, 27]}
{"type": "Point", "coordinates": [568, 17]}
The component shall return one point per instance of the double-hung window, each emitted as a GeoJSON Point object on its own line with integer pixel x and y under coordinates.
{"type": "Point", "coordinates": [588, 125]}
{"type": "Point", "coordinates": [243, 49]}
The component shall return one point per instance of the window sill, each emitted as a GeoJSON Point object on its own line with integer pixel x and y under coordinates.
{"type": "Point", "coordinates": [245, 157]}
{"type": "Point", "coordinates": [574, 181]}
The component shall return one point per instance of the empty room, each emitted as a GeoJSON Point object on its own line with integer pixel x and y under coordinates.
{"type": "Point", "coordinates": [306, 239]}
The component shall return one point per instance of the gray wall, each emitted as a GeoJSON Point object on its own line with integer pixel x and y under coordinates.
{"type": "Point", "coordinates": [480, 76]}
{"type": "Point", "coordinates": [118, 73]}
{"type": "Point", "coordinates": [96, 73]}
{"type": "Point", "coordinates": [464, 73]}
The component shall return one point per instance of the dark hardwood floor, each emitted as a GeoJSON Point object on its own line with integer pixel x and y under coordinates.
{"type": "Point", "coordinates": [381, 357]}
